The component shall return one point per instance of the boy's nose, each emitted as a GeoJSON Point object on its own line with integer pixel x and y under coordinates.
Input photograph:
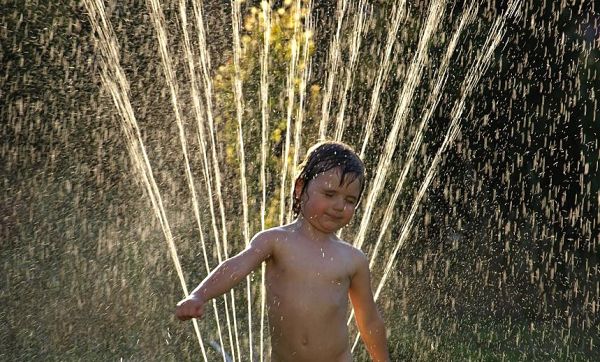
{"type": "Point", "coordinates": [338, 205]}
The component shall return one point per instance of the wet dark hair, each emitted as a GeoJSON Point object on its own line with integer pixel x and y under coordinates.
{"type": "Point", "coordinates": [325, 156]}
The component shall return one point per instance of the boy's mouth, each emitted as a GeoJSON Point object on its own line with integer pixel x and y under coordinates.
{"type": "Point", "coordinates": [334, 217]}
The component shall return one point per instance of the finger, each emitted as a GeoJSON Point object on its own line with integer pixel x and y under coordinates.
{"type": "Point", "coordinates": [181, 315]}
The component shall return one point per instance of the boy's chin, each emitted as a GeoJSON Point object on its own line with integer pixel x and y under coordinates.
{"type": "Point", "coordinates": [332, 229]}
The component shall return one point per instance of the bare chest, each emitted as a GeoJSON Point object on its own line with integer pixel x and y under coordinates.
{"type": "Point", "coordinates": [310, 272]}
{"type": "Point", "coordinates": [312, 266]}
{"type": "Point", "coordinates": [307, 300]}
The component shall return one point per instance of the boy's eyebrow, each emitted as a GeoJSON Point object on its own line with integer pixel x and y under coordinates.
{"type": "Point", "coordinates": [330, 189]}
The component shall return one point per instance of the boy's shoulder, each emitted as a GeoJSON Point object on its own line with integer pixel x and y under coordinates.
{"type": "Point", "coordinates": [352, 251]}
{"type": "Point", "coordinates": [270, 235]}
{"type": "Point", "coordinates": [279, 231]}
{"type": "Point", "coordinates": [272, 232]}
{"type": "Point", "coordinates": [283, 233]}
{"type": "Point", "coordinates": [352, 257]}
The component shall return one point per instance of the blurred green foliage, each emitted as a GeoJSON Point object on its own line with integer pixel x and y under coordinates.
{"type": "Point", "coordinates": [288, 38]}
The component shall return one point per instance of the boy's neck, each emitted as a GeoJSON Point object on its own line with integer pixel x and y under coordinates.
{"type": "Point", "coordinates": [312, 233]}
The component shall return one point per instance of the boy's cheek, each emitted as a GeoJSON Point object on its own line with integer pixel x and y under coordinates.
{"type": "Point", "coordinates": [349, 217]}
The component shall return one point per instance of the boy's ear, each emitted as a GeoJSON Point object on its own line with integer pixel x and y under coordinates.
{"type": "Point", "coordinates": [298, 188]}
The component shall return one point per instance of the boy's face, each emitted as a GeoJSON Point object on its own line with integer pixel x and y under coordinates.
{"type": "Point", "coordinates": [326, 204]}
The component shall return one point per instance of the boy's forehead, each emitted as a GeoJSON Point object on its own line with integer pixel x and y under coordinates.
{"type": "Point", "coordinates": [329, 175]}
{"type": "Point", "coordinates": [333, 177]}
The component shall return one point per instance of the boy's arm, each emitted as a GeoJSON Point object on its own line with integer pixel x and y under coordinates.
{"type": "Point", "coordinates": [228, 274]}
{"type": "Point", "coordinates": [370, 324]}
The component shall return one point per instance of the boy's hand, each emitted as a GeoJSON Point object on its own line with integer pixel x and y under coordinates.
{"type": "Point", "coordinates": [190, 307]}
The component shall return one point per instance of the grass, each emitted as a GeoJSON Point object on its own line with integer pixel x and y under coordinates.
{"type": "Point", "coordinates": [491, 340]}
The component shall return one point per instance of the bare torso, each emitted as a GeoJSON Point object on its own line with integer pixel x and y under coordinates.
{"type": "Point", "coordinates": [307, 294]}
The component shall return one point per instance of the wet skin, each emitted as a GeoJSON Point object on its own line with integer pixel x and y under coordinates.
{"type": "Point", "coordinates": [310, 273]}
{"type": "Point", "coordinates": [307, 291]}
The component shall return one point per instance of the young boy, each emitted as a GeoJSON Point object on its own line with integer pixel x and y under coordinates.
{"type": "Point", "coordinates": [310, 272]}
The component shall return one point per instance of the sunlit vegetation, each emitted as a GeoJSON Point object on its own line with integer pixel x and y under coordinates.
{"type": "Point", "coordinates": [289, 43]}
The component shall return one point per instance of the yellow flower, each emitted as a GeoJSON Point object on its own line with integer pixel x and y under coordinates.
{"type": "Point", "coordinates": [276, 135]}
{"type": "Point", "coordinates": [249, 24]}
{"type": "Point", "coordinates": [230, 152]}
